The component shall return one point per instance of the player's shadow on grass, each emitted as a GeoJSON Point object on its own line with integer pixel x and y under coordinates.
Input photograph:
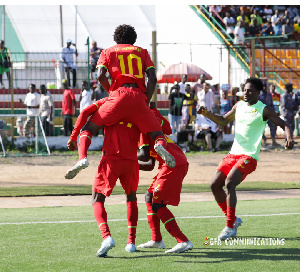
{"type": "Point", "coordinates": [231, 254]}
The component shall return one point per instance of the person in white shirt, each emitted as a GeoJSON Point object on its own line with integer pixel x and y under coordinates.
{"type": "Point", "coordinates": [239, 33]}
{"type": "Point", "coordinates": [32, 102]}
{"type": "Point", "coordinates": [85, 97]}
{"type": "Point", "coordinates": [229, 22]}
{"type": "Point", "coordinates": [206, 97]}
{"type": "Point", "coordinates": [182, 84]}
{"type": "Point", "coordinates": [207, 129]}
{"type": "Point", "coordinates": [46, 110]}
{"type": "Point", "coordinates": [66, 57]}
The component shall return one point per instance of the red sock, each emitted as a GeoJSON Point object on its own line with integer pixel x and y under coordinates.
{"type": "Point", "coordinates": [170, 223]}
{"type": "Point", "coordinates": [161, 140]}
{"type": "Point", "coordinates": [154, 223]}
{"type": "Point", "coordinates": [101, 218]}
{"type": "Point", "coordinates": [132, 219]}
{"type": "Point", "coordinates": [230, 216]}
{"type": "Point", "coordinates": [223, 206]}
{"type": "Point", "coordinates": [85, 141]}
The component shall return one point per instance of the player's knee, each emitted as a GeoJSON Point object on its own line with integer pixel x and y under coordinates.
{"type": "Point", "coordinates": [97, 197]}
{"type": "Point", "coordinates": [229, 184]}
{"type": "Point", "coordinates": [131, 197]}
{"type": "Point", "coordinates": [156, 206]}
{"type": "Point", "coordinates": [148, 197]}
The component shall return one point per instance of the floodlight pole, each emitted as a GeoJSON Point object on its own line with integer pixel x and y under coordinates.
{"type": "Point", "coordinates": [154, 59]}
{"type": "Point", "coordinates": [61, 26]}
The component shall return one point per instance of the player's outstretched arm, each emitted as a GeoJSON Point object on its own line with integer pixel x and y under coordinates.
{"type": "Point", "coordinates": [270, 114]}
{"type": "Point", "coordinates": [218, 119]}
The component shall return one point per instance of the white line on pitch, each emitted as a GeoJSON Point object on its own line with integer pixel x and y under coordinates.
{"type": "Point", "coordinates": [110, 220]}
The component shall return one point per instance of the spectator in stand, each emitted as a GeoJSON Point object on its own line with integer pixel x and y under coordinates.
{"type": "Point", "coordinates": [175, 109]}
{"type": "Point", "coordinates": [85, 97]}
{"type": "Point", "coordinates": [267, 28]}
{"type": "Point", "coordinates": [94, 56]}
{"type": "Point", "coordinates": [254, 29]}
{"type": "Point", "coordinates": [275, 98]}
{"type": "Point", "coordinates": [256, 15]}
{"type": "Point", "coordinates": [239, 33]}
{"type": "Point", "coordinates": [32, 102]}
{"type": "Point", "coordinates": [207, 129]}
{"type": "Point", "coordinates": [206, 97]}
{"type": "Point", "coordinates": [223, 11]}
{"type": "Point", "coordinates": [66, 57]}
{"type": "Point", "coordinates": [198, 86]}
{"type": "Point", "coordinates": [287, 15]}
{"type": "Point", "coordinates": [288, 107]}
{"type": "Point", "coordinates": [68, 108]}
{"type": "Point", "coordinates": [246, 10]}
{"type": "Point", "coordinates": [277, 20]}
{"type": "Point", "coordinates": [297, 27]}
{"type": "Point", "coordinates": [245, 19]}
{"type": "Point", "coordinates": [189, 107]}
{"type": "Point", "coordinates": [293, 11]}
{"type": "Point", "coordinates": [4, 63]}
{"type": "Point", "coordinates": [229, 22]}
{"type": "Point", "coordinates": [46, 110]}
{"type": "Point", "coordinates": [266, 98]}
{"type": "Point", "coordinates": [267, 12]}
{"type": "Point", "coordinates": [287, 28]}
{"type": "Point", "coordinates": [225, 106]}
{"type": "Point", "coordinates": [182, 84]}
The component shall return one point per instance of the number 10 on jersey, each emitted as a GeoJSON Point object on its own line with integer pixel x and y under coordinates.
{"type": "Point", "coordinates": [130, 67]}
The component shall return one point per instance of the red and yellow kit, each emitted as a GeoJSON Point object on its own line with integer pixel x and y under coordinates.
{"type": "Point", "coordinates": [126, 64]}
{"type": "Point", "coordinates": [119, 159]}
{"type": "Point", "coordinates": [167, 184]}
{"type": "Point", "coordinates": [244, 163]}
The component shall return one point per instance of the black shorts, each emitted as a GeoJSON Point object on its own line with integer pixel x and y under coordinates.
{"type": "Point", "coordinates": [93, 67]}
{"type": "Point", "coordinates": [214, 135]}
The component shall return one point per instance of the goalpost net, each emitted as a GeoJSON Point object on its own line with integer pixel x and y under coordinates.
{"type": "Point", "coordinates": [14, 142]}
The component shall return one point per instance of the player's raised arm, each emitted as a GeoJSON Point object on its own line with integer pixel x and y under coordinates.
{"type": "Point", "coordinates": [270, 114]}
{"type": "Point", "coordinates": [218, 119]}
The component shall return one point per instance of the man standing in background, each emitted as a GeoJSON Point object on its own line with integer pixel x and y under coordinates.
{"type": "Point", "coordinates": [68, 108]}
{"type": "Point", "coordinates": [94, 56]}
{"type": "Point", "coordinates": [46, 110]}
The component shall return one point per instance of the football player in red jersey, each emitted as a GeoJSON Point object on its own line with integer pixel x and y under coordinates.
{"type": "Point", "coordinates": [164, 190]}
{"type": "Point", "coordinates": [119, 161]}
{"type": "Point", "coordinates": [127, 66]}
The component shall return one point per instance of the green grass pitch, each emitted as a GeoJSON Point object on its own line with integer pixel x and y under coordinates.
{"type": "Point", "coordinates": [66, 239]}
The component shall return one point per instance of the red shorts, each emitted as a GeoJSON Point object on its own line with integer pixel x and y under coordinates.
{"type": "Point", "coordinates": [126, 104]}
{"type": "Point", "coordinates": [166, 185]}
{"type": "Point", "coordinates": [244, 163]}
{"type": "Point", "coordinates": [109, 170]}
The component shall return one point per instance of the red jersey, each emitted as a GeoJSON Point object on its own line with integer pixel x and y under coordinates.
{"type": "Point", "coordinates": [172, 148]}
{"type": "Point", "coordinates": [121, 140]}
{"type": "Point", "coordinates": [126, 64]}
{"type": "Point", "coordinates": [67, 103]}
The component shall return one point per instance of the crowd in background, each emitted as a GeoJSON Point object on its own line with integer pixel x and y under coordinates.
{"type": "Point", "coordinates": [252, 20]}
{"type": "Point", "coordinates": [185, 98]}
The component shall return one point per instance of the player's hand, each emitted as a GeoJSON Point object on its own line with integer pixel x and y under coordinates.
{"type": "Point", "coordinates": [72, 145]}
{"type": "Point", "coordinates": [202, 110]}
{"type": "Point", "coordinates": [289, 144]}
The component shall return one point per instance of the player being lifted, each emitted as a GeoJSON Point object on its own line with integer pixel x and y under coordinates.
{"type": "Point", "coordinates": [251, 117]}
{"type": "Point", "coordinates": [128, 99]}
{"type": "Point", "coordinates": [164, 190]}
